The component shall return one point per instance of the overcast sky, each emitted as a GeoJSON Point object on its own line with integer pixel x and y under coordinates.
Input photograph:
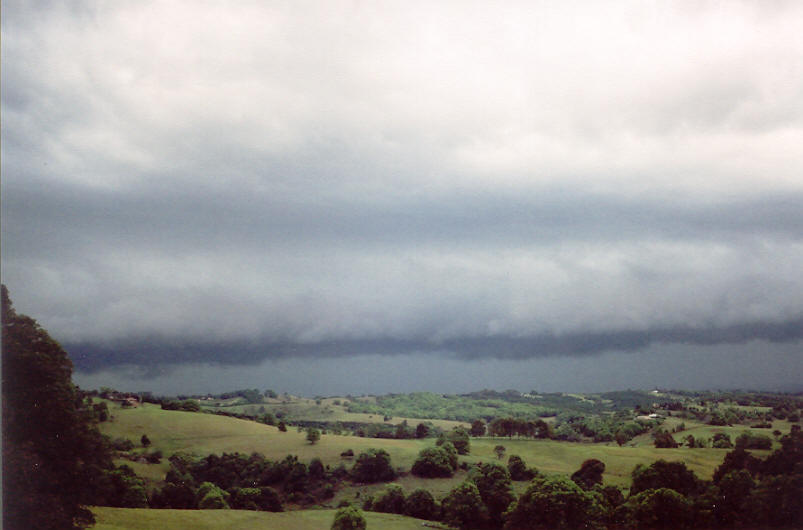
{"type": "Point", "coordinates": [233, 183]}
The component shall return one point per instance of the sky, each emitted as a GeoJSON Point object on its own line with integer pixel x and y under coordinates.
{"type": "Point", "coordinates": [394, 196]}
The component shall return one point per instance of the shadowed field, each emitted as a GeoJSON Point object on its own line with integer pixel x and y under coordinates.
{"type": "Point", "coordinates": [145, 519]}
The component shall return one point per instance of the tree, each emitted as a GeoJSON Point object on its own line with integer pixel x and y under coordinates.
{"type": "Point", "coordinates": [373, 466]}
{"type": "Point", "coordinates": [459, 438]}
{"type": "Point", "coordinates": [463, 507]}
{"type": "Point", "coordinates": [518, 469]}
{"type": "Point", "coordinates": [553, 502]}
{"type": "Point", "coordinates": [211, 497]}
{"type": "Point", "coordinates": [500, 451]}
{"type": "Point", "coordinates": [316, 468]}
{"type": "Point", "coordinates": [656, 508]}
{"type": "Point", "coordinates": [664, 440]}
{"type": "Point", "coordinates": [421, 505]}
{"type": "Point", "coordinates": [433, 462]}
{"type": "Point", "coordinates": [421, 431]}
{"type": "Point", "coordinates": [663, 474]}
{"type": "Point", "coordinates": [282, 426]}
{"type": "Point", "coordinates": [313, 435]}
{"type": "Point", "coordinates": [349, 518]}
{"type": "Point", "coordinates": [54, 458]}
{"type": "Point", "coordinates": [145, 441]}
{"type": "Point", "coordinates": [477, 428]}
{"type": "Point", "coordinates": [493, 483]}
{"type": "Point", "coordinates": [589, 474]}
{"type": "Point", "coordinates": [391, 500]}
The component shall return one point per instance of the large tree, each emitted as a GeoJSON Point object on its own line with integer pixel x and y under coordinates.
{"type": "Point", "coordinates": [54, 458]}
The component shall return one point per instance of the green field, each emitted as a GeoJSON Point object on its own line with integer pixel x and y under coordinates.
{"type": "Point", "coordinates": [145, 519]}
{"type": "Point", "coordinates": [202, 434]}
{"type": "Point", "coordinates": [301, 409]}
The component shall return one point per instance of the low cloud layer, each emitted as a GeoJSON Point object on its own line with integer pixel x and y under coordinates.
{"type": "Point", "coordinates": [191, 183]}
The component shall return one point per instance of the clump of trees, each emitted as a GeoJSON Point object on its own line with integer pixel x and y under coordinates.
{"type": "Point", "coordinates": [439, 461]}
{"type": "Point", "coordinates": [373, 466]}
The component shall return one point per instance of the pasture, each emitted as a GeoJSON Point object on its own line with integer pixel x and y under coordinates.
{"type": "Point", "coordinates": [146, 519]}
{"type": "Point", "coordinates": [202, 434]}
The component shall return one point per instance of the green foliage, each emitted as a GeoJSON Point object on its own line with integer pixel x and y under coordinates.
{"type": "Point", "coordinates": [493, 483]}
{"type": "Point", "coordinates": [313, 435]}
{"type": "Point", "coordinates": [721, 440]}
{"type": "Point", "coordinates": [750, 440]}
{"type": "Point", "coordinates": [434, 462]}
{"type": "Point", "coordinates": [554, 502]}
{"type": "Point", "coordinates": [656, 508]}
{"type": "Point", "coordinates": [421, 504]}
{"type": "Point", "coordinates": [349, 518]}
{"type": "Point", "coordinates": [477, 428]}
{"type": "Point", "coordinates": [391, 500]}
{"type": "Point", "coordinates": [463, 507]}
{"type": "Point", "coordinates": [663, 474]}
{"type": "Point", "coordinates": [518, 469]}
{"type": "Point", "coordinates": [664, 440]}
{"type": "Point", "coordinates": [122, 488]}
{"type": "Point", "coordinates": [373, 466]}
{"type": "Point", "coordinates": [460, 439]}
{"type": "Point", "coordinates": [211, 497]}
{"type": "Point", "coordinates": [54, 458]}
{"type": "Point", "coordinates": [589, 474]}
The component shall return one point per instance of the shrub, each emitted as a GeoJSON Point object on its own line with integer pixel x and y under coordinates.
{"type": "Point", "coordinates": [664, 440]}
{"type": "Point", "coordinates": [553, 502]}
{"type": "Point", "coordinates": [391, 500]}
{"type": "Point", "coordinates": [463, 507]}
{"type": "Point", "coordinates": [349, 518]}
{"type": "Point", "coordinates": [589, 474]}
{"type": "Point", "coordinates": [373, 466]}
{"type": "Point", "coordinates": [421, 504]}
{"type": "Point", "coordinates": [663, 474]}
{"type": "Point", "coordinates": [211, 497]}
{"type": "Point", "coordinates": [433, 462]}
{"type": "Point", "coordinates": [656, 508]}
{"type": "Point", "coordinates": [753, 441]}
{"type": "Point", "coordinates": [518, 470]}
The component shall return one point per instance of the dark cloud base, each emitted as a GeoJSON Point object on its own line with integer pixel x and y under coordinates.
{"type": "Point", "coordinates": [153, 352]}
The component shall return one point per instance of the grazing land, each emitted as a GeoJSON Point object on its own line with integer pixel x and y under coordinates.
{"type": "Point", "coordinates": [144, 519]}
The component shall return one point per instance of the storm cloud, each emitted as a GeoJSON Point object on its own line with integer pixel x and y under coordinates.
{"type": "Point", "coordinates": [194, 182]}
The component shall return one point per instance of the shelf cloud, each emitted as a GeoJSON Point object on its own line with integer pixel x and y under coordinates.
{"type": "Point", "coordinates": [196, 182]}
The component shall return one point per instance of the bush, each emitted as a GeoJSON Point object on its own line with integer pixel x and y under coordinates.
{"type": "Point", "coordinates": [463, 507]}
{"type": "Point", "coordinates": [753, 441]}
{"type": "Point", "coordinates": [433, 462]}
{"type": "Point", "coordinates": [553, 502]}
{"type": "Point", "coordinates": [589, 474]}
{"type": "Point", "coordinates": [656, 508]}
{"type": "Point", "coordinates": [421, 505]}
{"type": "Point", "coordinates": [664, 440]}
{"type": "Point", "coordinates": [211, 497]}
{"type": "Point", "coordinates": [391, 500]}
{"type": "Point", "coordinates": [518, 470]}
{"type": "Point", "coordinates": [349, 518]}
{"type": "Point", "coordinates": [663, 474]}
{"type": "Point", "coordinates": [373, 466]}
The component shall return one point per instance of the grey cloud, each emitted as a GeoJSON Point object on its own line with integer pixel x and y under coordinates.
{"type": "Point", "coordinates": [279, 181]}
{"type": "Point", "coordinates": [155, 354]}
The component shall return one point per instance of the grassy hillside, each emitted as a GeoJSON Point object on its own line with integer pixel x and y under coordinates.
{"type": "Point", "coordinates": [202, 434]}
{"type": "Point", "coordinates": [143, 519]}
